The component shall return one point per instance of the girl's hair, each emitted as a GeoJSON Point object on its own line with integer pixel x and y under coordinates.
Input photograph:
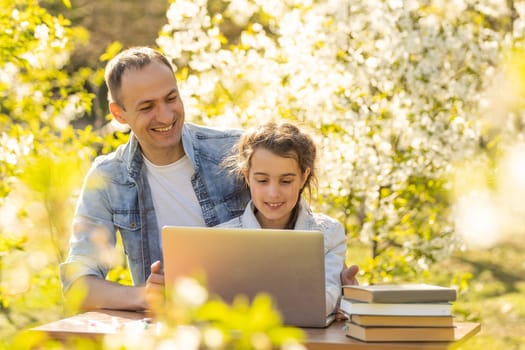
{"type": "Point", "coordinates": [284, 140]}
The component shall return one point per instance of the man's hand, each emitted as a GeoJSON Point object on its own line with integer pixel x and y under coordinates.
{"type": "Point", "coordinates": [155, 288]}
{"type": "Point", "coordinates": [348, 275]}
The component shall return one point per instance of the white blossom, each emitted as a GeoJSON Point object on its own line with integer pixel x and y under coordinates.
{"type": "Point", "coordinates": [401, 80]}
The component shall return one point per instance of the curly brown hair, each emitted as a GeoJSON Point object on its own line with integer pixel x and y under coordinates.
{"type": "Point", "coordinates": [285, 140]}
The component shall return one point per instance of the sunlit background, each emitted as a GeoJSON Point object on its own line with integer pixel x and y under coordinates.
{"type": "Point", "coordinates": [416, 106]}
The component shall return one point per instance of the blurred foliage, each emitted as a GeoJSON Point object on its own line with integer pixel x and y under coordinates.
{"type": "Point", "coordinates": [246, 326]}
{"type": "Point", "coordinates": [240, 324]}
{"type": "Point", "coordinates": [42, 158]}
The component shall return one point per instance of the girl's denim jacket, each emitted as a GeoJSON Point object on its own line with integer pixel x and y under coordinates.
{"type": "Point", "coordinates": [116, 197]}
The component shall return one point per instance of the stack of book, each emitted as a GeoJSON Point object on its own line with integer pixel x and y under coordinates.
{"type": "Point", "coordinates": [399, 312]}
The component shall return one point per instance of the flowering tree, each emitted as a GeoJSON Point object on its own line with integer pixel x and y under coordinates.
{"type": "Point", "coordinates": [390, 89]}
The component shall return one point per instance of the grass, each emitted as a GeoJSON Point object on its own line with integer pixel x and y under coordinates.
{"type": "Point", "coordinates": [496, 294]}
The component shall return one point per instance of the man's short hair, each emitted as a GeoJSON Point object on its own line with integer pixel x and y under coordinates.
{"type": "Point", "coordinates": [132, 58]}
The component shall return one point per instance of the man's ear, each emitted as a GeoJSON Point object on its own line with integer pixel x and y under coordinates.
{"type": "Point", "coordinates": [116, 110]}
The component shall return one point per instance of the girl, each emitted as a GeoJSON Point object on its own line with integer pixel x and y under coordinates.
{"type": "Point", "coordinates": [277, 162]}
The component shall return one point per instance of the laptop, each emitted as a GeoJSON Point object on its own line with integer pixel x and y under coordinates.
{"type": "Point", "coordinates": [287, 264]}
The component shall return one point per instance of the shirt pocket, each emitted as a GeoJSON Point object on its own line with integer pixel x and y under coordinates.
{"type": "Point", "coordinates": [128, 223]}
{"type": "Point", "coordinates": [127, 219]}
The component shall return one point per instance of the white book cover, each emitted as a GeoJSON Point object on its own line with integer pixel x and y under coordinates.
{"type": "Point", "coordinates": [402, 309]}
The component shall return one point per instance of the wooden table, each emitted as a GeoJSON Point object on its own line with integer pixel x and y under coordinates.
{"type": "Point", "coordinates": [95, 324]}
{"type": "Point", "coordinates": [334, 338]}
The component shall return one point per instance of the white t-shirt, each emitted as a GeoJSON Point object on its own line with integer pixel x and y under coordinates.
{"type": "Point", "coordinates": [174, 200]}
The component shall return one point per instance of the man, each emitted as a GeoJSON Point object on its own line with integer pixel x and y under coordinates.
{"type": "Point", "coordinates": [168, 173]}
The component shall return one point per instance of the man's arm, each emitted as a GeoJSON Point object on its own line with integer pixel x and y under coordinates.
{"type": "Point", "coordinates": [102, 294]}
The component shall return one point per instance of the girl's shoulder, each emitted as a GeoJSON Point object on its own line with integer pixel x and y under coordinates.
{"type": "Point", "coordinates": [311, 220]}
{"type": "Point", "coordinates": [325, 221]}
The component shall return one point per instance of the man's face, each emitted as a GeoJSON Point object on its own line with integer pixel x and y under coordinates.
{"type": "Point", "coordinates": [152, 107]}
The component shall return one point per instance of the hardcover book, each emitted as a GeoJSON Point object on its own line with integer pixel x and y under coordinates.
{"type": "Point", "coordinates": [400, 333]}
{"type": "Point", "coordinates": [403, 321]}
{"type": "Point", "coordinates": [399, 293]}
{"type": "Point", "coordinates": [402, 309]}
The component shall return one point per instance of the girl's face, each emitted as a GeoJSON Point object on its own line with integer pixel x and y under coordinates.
{"type": "Point", "coordinates": [275, 183]}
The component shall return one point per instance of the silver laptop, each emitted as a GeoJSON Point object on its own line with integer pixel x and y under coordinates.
{"type": "Point", "coordinates": [287, 264]}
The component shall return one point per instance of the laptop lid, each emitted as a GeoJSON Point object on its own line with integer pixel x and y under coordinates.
{"type": "Point", "coordinates": [287, 264]}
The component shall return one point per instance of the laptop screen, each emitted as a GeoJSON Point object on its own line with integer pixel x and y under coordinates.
{"type": "Point", "coordinates": [287, 264]}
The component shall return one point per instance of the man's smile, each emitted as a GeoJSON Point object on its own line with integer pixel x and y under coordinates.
{"type": "Point", "coordinates": [164, 129]}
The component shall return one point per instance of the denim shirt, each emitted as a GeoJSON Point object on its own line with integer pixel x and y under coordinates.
{"type": "Point", "coordinates": [116, 197]}
{"type": "Point", "coordinates": [334, 244]}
